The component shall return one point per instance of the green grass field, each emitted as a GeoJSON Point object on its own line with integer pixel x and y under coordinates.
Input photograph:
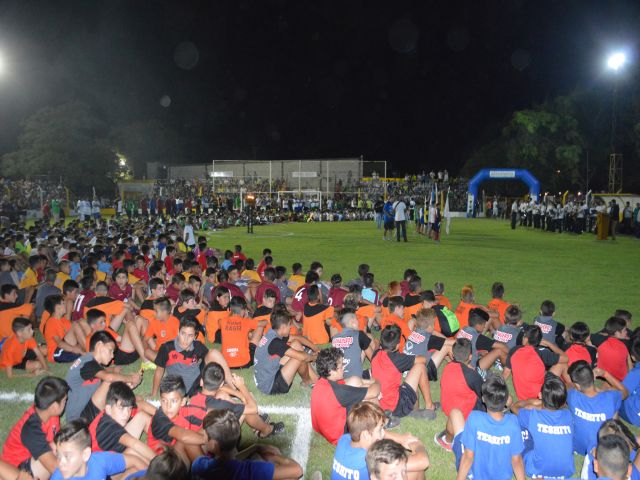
{"type": "Point", "coordinates": [586, 279]}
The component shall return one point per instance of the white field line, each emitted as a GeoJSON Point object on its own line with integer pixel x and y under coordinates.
{"type": "Point", "coordinates": [300, 442]}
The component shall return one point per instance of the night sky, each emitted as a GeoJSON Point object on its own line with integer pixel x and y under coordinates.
{"type": "Point", "coordinates": [420, 84]}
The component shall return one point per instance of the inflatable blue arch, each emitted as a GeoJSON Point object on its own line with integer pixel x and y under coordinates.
{"type": "Point", "coordinates": [501, 174]}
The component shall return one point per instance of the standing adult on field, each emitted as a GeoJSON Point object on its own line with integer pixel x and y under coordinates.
{"type": "Point", "coordinates": [614, 217]}
{"type": "Point", "coordinates": [378, 207]}
{"type": "Point", "coordinates": [400, 212]}
{"type": "Point", "coordinates": [514, 214]}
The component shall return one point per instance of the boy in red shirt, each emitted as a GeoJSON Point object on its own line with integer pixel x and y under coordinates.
{"type": "Point", "coordinates": [613, 350]}
{"type": "Point", "coordinates": [388, 366]}
{"type": "Point", "coordinates": [530, 361]}
{"type": "Point", "coordinates": [28, 445]}
{"type": "Point", "coordinates": [578, 348]}
{"type": "Point", "coordinates": [460, 388]}
{"type": "Point", "coordinates": [332, 395]}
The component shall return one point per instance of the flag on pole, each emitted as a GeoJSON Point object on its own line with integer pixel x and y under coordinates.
{"type": "Point", "coordinates": [447, 214]}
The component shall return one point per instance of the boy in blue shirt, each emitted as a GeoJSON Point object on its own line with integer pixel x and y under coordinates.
{"type": "Point", "coordinates": [366, 423]}
{"type": "Point", "coordinates": [590, 406]}
{"type": "Point", "coordinates": [489, 445]}
{"type": "Point", "coordinates": [223, 433]}
{"type": "Point", "coordinates": [75, 460]}
{"type": "Point", "coordinates": [630, 410]}
{"type": "Point", "coordinates": [548, 431]}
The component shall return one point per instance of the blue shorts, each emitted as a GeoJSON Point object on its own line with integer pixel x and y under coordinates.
{"type": "Point", "coordinates": [457, 449]}
{"type": "Point", "coordinates": [62, 356]}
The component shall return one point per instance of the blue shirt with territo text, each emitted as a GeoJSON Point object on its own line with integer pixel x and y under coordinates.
{"type": "Point", "coordinates": [348, 462]}
{"type": "Point", "coordinates": [493, 443]}
{"type": "Point", "coordinates": [100, 466]}
{"type": "Point", "coordinates": [588, 414]}
{"type": "Point", "coordinates": [548, 436]}
{"type": "Point", "coordinates": [630, 410]}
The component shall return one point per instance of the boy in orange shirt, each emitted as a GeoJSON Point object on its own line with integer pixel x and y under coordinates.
{"type": "Point", "coordinates": [20, 351]}
{"type": "Point", "coordinates": [162, 328]}
{"type": "Point", "coordinates": [396, 317]}
{"type": "Point", "coordinates": [240, 334]}
{"type": "Point", "coordinates": [64, 340]}
{"type": "Point", "coordinates": [317, 318]}
{"type": "Point", "coordinates": [497, 304]}
{"type": "Point", "coordinates": [438, 289]}
{"type": "Point", "coordinates": [10, 310]}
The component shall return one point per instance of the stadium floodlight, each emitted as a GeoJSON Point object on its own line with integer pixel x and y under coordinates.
{"type": "Point", "coordinates": [616, 61]}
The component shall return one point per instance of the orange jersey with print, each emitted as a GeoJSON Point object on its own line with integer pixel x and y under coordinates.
{"type": "Point", "coordinates": [55, 327]}
{"type": "Point", "coordinates": [212, 322]}
{"type": "Point", "coordinates": [462, 312]}
{"type": "Point", "coordinates": [13, 351]}
{"type": "Point", "coordinates": [8, 313]}
{"type": "Point", "coordinates": [499, 306]}
{"type": "Point", "coordinates": [393, 319]}
{"type": "Point", "coordinates": [162, 331]}
{"type": "Point", "coordinates": [444, 301]}
{"type": "Point", "coordinates": [235, 331]}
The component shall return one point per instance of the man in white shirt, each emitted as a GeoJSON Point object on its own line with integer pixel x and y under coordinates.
{"type": "Point", "coordinates": [399, 209]}
{"type": "Point", "coordinates": [188, 235]}
{"type": "Point", "coordinates": [514, 214]}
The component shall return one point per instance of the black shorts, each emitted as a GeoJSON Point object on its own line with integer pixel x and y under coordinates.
{"type": "Point", "coordinates": [406, 401]}
{"type": "Point", "coordinates": [122, 357]}
{"type": "Point", "coordinates": [280, 385]}
{"type": "Point", "coordinates": [389, 225]}
{"type": "Point", "coordinates": [366, 375]}
{"type": "Point", "coordinates": [90, 412]}
{"type": "Point", "coordinates": [252, 354]}
{"type": "Point", "coordinates": [432, 371]}
{"type": "Point", "coordinates": [62, 356]}
{"type": "Point", "coordinates": [26, 466]}
{"type": "Point", "coordinates": [28, 356]}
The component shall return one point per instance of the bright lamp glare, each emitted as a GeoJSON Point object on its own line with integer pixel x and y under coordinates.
{"type": "Point", "coordinates": [2, 64]}
{"type": "Point", "coordinates": [616, 61]}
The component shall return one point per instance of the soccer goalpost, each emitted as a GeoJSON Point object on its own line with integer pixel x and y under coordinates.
{"type": "Point", "coordinates": [313, 196]}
